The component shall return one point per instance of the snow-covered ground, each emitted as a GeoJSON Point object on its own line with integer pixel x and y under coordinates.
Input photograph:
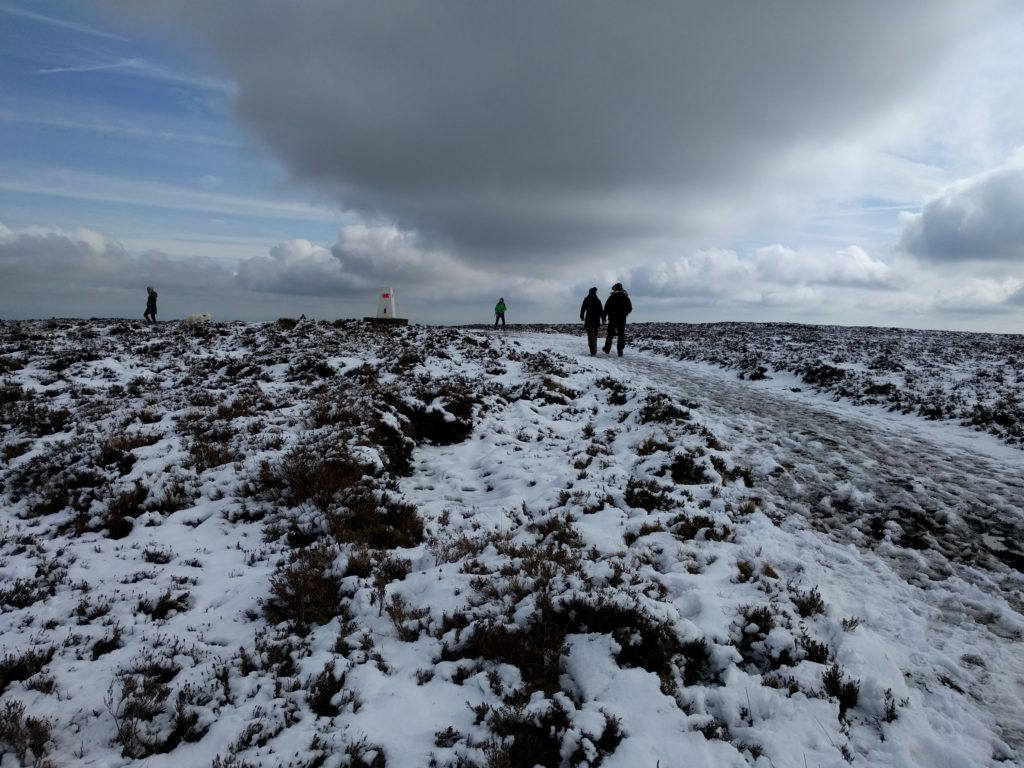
{"type": "Point", "coordinates": [313, 544]}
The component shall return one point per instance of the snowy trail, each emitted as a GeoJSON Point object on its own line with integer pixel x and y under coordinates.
{"type": "Point", "coordinates": [863, 475]}
{"type": "Point", "coordinates": [940, 505]}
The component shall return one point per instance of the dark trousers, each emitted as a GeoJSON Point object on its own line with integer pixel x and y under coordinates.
{"type": "Point", "coordinates": [499, 316]}
{"type": "Point", "coordinates": [592, 338]}
{"type": "Point", "coordinates": [615, 328]}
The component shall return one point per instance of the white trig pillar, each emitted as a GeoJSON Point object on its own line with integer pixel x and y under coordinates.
{"type": "Point", "coordinates": [386, 304]}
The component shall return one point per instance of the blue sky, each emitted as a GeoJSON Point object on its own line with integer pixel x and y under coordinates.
{"type": "Point", "coordinates": [801, 162]}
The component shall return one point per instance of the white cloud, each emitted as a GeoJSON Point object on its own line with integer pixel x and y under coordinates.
{"type": "Point", "coordinates": [105, 188]}
{"type": "Point", "coordinates": [773, 275]}
{"type": "Point", "coordinates": [46, 271]}
{"type": "Point", "coordinates": [140, 67]}
{"type": "Point", "coordinates": [850, 267]}
{"type": "Point", "coordinates": [714, 273]}
{"type": "Point", "coordinates": [53, 21]}
{"type": "Point", "coordinates": [978, 295]}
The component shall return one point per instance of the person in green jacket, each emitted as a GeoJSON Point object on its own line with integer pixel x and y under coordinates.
{"type": "Point", "coordinates": [499, 313]}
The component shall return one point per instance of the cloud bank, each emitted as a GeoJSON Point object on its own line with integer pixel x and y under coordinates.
{"type": "Point", "coordinates": [86, 273]}
{"type": "Point", "coordinates": [521, 131]}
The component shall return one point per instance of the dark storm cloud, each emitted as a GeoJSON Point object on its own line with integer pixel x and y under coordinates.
{"type": "Point", "coordinates": [296, 267]}
{"type": "Point", "coordinates": [978, 219]}
{"type": "Point", "coordinates": [536, 128]}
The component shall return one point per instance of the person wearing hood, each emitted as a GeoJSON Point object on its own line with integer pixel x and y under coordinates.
{"type": "Point", "coordinates": [150, 313]}
{"type": "Point", "coordinates": [616, 308]}
{"type": "Point", "coordinates": [499, 313]}
{"type": "Point", "coordinates": [590, 314]}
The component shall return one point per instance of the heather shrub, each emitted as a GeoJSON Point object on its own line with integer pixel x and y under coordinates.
{"type": "Point", "coordinates": [686, 470]}
{"type": "Point", "coordinates": [372, 517]}
{"type": "Point", "coordinates": [305, 590]}
{"type": "Point", "coordinates": [25, 736]}
{"type": "Point", "coordinates": [846, 692]}
{"type": "Point", "coordinates": [21, 666]}
{"type": "Point", "coordinates": [659, 408]}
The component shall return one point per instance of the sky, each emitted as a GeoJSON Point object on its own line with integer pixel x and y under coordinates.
{"type": "Point", "coordinates": [818, 162]}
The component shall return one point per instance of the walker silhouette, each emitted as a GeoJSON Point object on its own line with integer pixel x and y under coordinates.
{"type": "Point", "coordinates": [386, 310]}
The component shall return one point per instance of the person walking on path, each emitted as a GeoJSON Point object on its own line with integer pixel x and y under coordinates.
{"type": "Point", "coordinates": [590, 314]}
{"type": "Point", "coordinates": [616, 308]}
{"type": "Point", "coordinates": [499, 313]}
{"type": "Point", "coordinates": [150, 313]}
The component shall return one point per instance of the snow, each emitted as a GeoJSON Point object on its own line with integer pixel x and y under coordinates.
{"type": "Point", "coordinates": [587, 560]}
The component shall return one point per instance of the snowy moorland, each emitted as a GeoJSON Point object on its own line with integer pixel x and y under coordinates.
{"type": "Point", "coordinates": [330, 544]}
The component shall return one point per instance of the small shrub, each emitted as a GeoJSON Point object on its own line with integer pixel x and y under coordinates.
{"type": "Point", "coordinates": [685, 470]}
{"type": "Point", "coordinates": [124, 507]}
{"type": "Point", "coordinates": [359, 563]}
{"type": "Point", "coordinates": [25, 735]}
{"type": "Point", "coordinates": [688, 527]}
{"type": "Point", "coordinates": [322, 690]}
{"type": "Point", "coordinates": [116, 451]}
{"type": "Point", "coordinates": [697, 662]}
{"type": "Point", "coordinates": [139, 701]}
{"type": "Point", "coordinates": [367, 517]}
{"type": "Point", "coordinates": [890, 706]}
{"type": "Point", "coordinates": [23, 593]}
{"type": "Point", "coordinates": [754, 625]}
{"type": "Point", "coordinates": [158, 556]}
{"type": "Point", "coordinates": [846, 692]}
{"type": "Point", "coordinates": [618, 394]}
{"type": "Point", "coordinates": [659, 408]}
{"type": "Point", "coordinates": [409, 622]}
{"type": "Point", "coordinates": [312, 474]}
{"type": "Point", "coordinates": [163, 606]}
{"type": "Point", "coordinates": [18, 667]}
{"type": "Point", "coordinates": [523, 739]}
{"type": "Point", "coordinates": [757, 620]}
{"type": "Point", "coordinates": [809, 603]}
{"type": "Point", "coordinates": [647, 495]}
{"type": "Point", "coordinates": [731, 474]}
{"type": "Point", "coordinates": [823, 375]}
{"type": "Point", "coordinates": [87, 612]}
{"type": "Point", "coordinates": [447, 738]}
{"type": "Point", "coordinates": [814, 650]}
{"type": "Point", "coordinates": [362, 754]}
{"type": "Point", "coordinates": [652, 445]}
{"type": "Point", "coordinates": [776, 681]}
{"type": "Point", "coordinates": [306, 590]}
{"type": "Point", "coordinates": [109, 643]}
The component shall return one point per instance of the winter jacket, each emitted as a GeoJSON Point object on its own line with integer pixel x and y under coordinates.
{"type": "Point", "coordinates": [499, 308]}
{"type": "Point", "coordinates": [617, 307]}
{"type": "Point", "coordinates": [591, 310]}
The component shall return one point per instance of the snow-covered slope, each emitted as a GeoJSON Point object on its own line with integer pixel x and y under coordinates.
{"type": "Point", "coordinates": [315, 544]}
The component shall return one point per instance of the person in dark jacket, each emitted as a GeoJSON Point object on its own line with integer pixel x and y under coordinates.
{"type": "Point", "coordinates": [499, 313]}
{"type": "Point", "coordinates": [590, 314]}
{"type": "Point", "coordinates": [616, 308]}
{"type": "Point", "coordinates": [150, 313]}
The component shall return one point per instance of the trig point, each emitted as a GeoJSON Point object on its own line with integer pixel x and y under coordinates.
{"type": "Point", "coordinates": [386, 310]}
